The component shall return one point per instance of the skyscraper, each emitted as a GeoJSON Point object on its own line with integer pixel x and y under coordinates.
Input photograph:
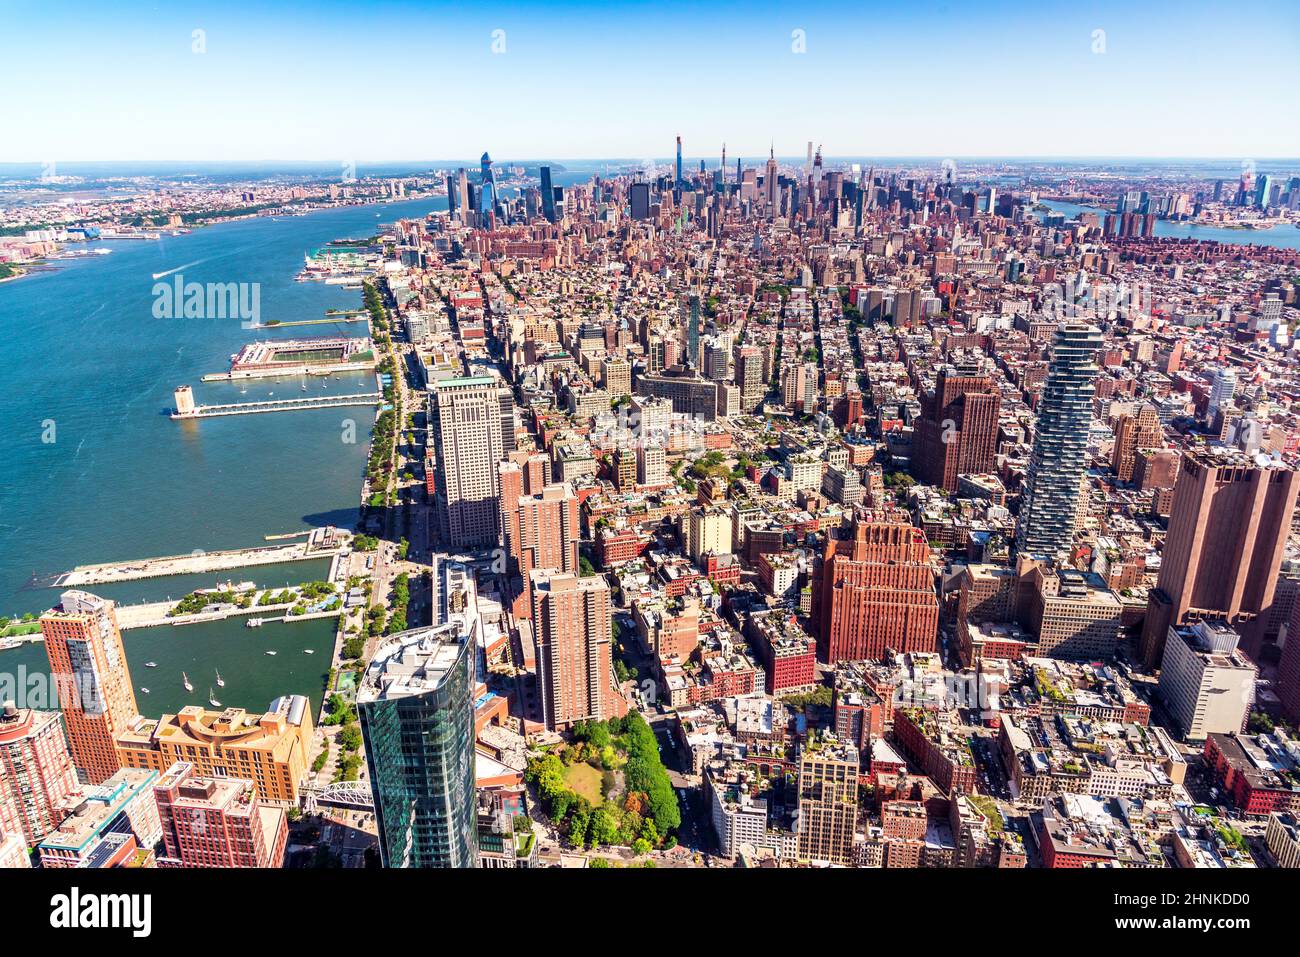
{"type": "Point", "coordinates": [1227, 533]}
{"type": "Point", "coordinates": [677, 181]}
{"type": "Point", "coordinates": [693, 335]}
{"type": "Point", "coordinates": [488, 182]}
{"type": "Point", "coordinates": [770, 180]}
{"type": "Point", "coordinates": [89, 668]}
{"type": "Point", "coordinates": [1050, 502]}
{"type": "Point", "coordinates": [875, 591]}
{"type": "Point", "coordinates": [465, 418]}
{"type": "Point", "coordinates": [639, 197]}
{"type": "Point", "coordinates": [957, 433]}
{"type": "Point", "coordinates": [548, 195]}
{"type": "Point", "coordinates": [571, 627]}
{"type": "Point", "coordinates": [416, 705]}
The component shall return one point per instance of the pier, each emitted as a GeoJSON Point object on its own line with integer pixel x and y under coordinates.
{"type": "Point", "coordinates": [275, 405]}
{"type": "Point", "coordinates": [323, 543]}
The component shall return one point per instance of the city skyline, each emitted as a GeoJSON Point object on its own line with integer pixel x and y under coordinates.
{"type": "Point", "coordinates": [248, 84]}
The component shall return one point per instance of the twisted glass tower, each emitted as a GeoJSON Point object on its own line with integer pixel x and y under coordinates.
{"type": "Point", "coordinates": [1050, 504]}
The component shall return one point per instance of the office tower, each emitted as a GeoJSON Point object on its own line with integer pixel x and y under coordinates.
{"type": "Point", "coordinates": [828, 803]}
{"type": "Point", "coordinates": [465, 419]}
{"type": "Point", "coordinates": [463, 194]}
{"type": "Point", "coordinates": [453, 196]}
{"type": "Point", "coordinates": [875, 591]}
{"type": "Point", "coordinates": [89, 667]}
{"type": "Point", "coordinates": [36, 772]}
{"type": "Point", "coordinates": [1205, 683]}
{"type": "Point", "coordinates": [1133, 431]}
{"type": "Point", "coordinates": [548, 195]}
{"type": "Point", "coordinates": [1262, 189]}
{"type": "Point", "coordinates": [571, 628]}
{"type": "Point", "coordinates": [269, 749]}
{"type": "Point", "coordinates": [677, 182]}
{"type": "Point", "coordinates": [693, 334]}
{"type": "Point", "coordinates": [217, 821]}
{"type": "Point", "coordinates": [1050, 503]}
{"type": "Point", "coordinates": [957, 433]}
{"type": "Point", "coordinates": [639, 197]}
{"type": "Point", "coordinates": [416, 705]}
{"type": "Point", "coordinates": [488, 183]}
{"type": "Point", "coordinates": [1227, 534]}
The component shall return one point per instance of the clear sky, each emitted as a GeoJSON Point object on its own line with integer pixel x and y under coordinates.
{"type": "Point", "coordinates": [411, 81]}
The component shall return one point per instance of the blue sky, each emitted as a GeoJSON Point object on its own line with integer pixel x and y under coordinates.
{"type": "Point", "coordinates": [405, 81]}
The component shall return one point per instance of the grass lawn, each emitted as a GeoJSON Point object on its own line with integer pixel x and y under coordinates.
{"type": "Point", "coordinates": [20, 628]}
{"type": "Point", "coordinates": [584, 780]}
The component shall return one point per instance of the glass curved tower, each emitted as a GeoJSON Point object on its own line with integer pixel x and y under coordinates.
{"type": "Point", "coordinates": [416, 708]}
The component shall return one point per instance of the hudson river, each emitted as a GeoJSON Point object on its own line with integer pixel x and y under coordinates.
{"type": "Point", "coordinates": [94, 470]}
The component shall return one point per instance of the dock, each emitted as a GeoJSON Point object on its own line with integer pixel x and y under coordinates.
{"type": "Point", "coordinates": [280, 405]}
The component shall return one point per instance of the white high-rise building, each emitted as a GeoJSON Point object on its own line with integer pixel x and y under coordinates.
{"type": "Point", "coordinates": [1206, 684]}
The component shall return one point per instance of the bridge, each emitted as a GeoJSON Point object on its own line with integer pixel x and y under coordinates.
{"type": "Point", "coordinates": [346, 794]}
{"type": "Point", "coordinates": [280, 405]}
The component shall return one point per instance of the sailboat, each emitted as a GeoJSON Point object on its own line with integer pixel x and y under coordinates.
{"type": "Point", "coordinates": [221, 682]}
{"type": "Point", "coordinates": [185, 680]}
{"type": "Point", "coordinates": [212, 699]}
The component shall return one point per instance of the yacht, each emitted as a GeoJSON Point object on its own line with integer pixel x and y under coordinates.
{"type": "Point", "coordinates": [253, 623]}
{"type": "Point", "coordinates": [185, 680]}
{"type": "Point", "coordinates": [212, 699]}
{"type": "Point", "coordinates": [151, 664]}
{"type": "Point", "coordinates": [145, 690]}
{"type": "Point", "coordinates": [309, 651]}
{"type": "Point", "coordinates": [221, 682]}
{"type": "Point", "coordinates": [271, 653]}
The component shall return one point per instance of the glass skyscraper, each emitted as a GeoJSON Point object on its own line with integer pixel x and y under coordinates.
{"type": "Point", "coordinates": [417, 718]}
{"type": "Point", "coordinates": [1050, 504]}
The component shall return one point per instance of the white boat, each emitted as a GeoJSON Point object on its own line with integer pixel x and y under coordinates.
{"type": "Point", "coordinates": [151, 664]}
{"type": "Point", "coordinates": [212, 699]}
{"type": "Point", "coordinates": [254, 623]}
{"type": "Point", "coordinates": [221, 682]}
{"type": "Point", "coordinates": [185, 680]}
{"type": "Point", "coordinates": [145, 690]}
{"type": "Point", "coordinates": [271, 653]}
{"type": "Point", "coordinates": [309, 651]}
